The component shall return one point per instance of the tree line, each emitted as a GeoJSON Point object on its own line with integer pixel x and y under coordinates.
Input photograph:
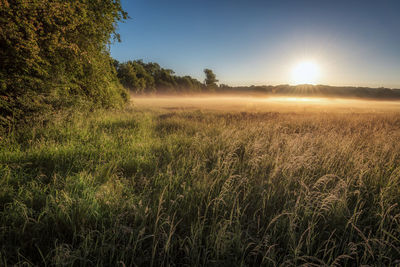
{"type": "Point", "coordinates": [314, 90]}
{"type": "Point", "coordinates": [141, 77]}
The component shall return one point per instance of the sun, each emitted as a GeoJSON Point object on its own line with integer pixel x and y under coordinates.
{"type": "Point", "coordinates": [306, 72]}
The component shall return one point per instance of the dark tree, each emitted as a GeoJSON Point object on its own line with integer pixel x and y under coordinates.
{"type": "Point", "coordinates": [211, 79]}
{"type": "Point", "coordinates": [141, 77]}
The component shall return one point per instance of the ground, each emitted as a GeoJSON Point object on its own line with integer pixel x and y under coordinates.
{"type": "Point", "coordinates": [206, 181]}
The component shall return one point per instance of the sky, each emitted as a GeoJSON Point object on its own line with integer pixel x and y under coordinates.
{"type": "Point", "coordinates": [257, 42]}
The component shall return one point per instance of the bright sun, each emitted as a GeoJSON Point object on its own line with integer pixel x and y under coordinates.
{"type": "Point", "coordinates": [306, 72]}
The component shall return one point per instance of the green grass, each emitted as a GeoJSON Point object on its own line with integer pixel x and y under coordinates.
{"type": "Point", "coordinates": [153, 187]}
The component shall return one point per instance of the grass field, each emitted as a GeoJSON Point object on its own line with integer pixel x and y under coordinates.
{"type": "Point", "coordinates": [206, 181]}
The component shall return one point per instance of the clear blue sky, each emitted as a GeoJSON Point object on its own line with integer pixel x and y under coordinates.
{"type": "Point", "coordinates": [259, 42]}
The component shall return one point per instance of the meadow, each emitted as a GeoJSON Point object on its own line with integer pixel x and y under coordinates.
{"type": "Point", "coordinates": [205, 181]}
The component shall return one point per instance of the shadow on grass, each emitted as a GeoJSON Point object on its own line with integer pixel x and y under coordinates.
{"type": "Point", "coordinates": [112, 126]}
{"type": "Point", "coordinates": [45, 164]}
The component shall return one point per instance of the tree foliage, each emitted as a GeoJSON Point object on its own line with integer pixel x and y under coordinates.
{"type": "Point", "coordinates": [211, 79]}
{"type": "Point", "coordinates": [141, 77]}
{"type": "Point", "coordinates": [53, 51]}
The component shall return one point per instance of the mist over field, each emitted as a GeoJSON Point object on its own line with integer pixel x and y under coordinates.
{"type": "Point", "coordinates": [260, 103]}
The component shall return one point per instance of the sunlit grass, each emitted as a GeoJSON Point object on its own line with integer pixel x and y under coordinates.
{"type": "Point", "coordinates": [172, 185]}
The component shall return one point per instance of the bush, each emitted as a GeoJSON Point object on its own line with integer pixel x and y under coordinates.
{"type": "Point", "coordinates": [53, 50]}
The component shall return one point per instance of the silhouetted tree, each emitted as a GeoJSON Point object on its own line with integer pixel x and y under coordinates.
{"type": "Point", "coordinates": [143, 77]}
{"type": "Point", "coordinates": [211, 80]}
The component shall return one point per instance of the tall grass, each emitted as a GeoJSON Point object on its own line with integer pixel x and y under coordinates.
{"type": "Point", "coordinates": [151, 188]}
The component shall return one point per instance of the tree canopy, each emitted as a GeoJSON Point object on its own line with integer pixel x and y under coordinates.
{"type": "Point", "coordinates": [53, 51]}
{"type": "Point", "coordinates": [211, 79]}
{"type": "Point", "coordinates": [141, 77]}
